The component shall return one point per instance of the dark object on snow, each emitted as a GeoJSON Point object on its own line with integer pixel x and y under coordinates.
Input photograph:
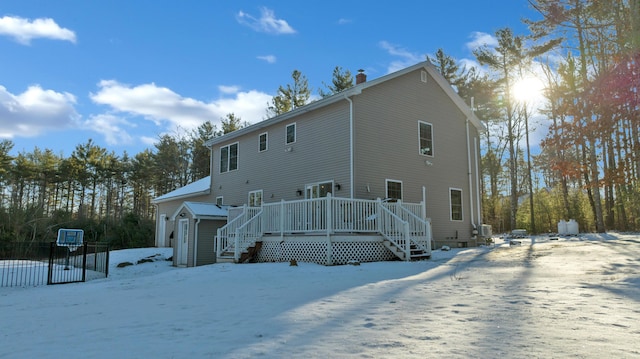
{"type": "Point", "coordinates": [124, 264]}
{"type": "Point", "coordinates": [293, 263]}
{"type": "Point", "coordinates": [515, 243]}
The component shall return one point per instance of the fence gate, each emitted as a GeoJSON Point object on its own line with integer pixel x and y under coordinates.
{"type": "Point", "coordinates": [32, 264]}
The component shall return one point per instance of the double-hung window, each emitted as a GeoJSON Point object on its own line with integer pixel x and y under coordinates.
{"type": "Point", "coordinates": [425, 130]}
{"type": "Point", "coordinates": [291, 134]}
{"type": "Point", "coordinates": [262, 142]}
{"type": "Point", "coordinates": [455, 201]}
{"type": "Point", "coordinates": [229, 158]}
{"type": "Point", "coordinates": [394, 189]}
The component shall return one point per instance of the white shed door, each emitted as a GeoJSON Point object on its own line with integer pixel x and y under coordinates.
{"type": "Point", "coordinates": [183, 242]}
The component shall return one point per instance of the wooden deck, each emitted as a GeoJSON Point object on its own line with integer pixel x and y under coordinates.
{"type": "Point", "coordinates": [327, 230]}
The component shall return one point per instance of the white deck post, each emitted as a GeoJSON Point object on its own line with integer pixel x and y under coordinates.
{"type": "Point", "coordinates": [281, 214]}
{"type": "Point", "coordinates": [407, 242]}
{"type": "Point", "coordinates": [236, 246]}
{"type": "Point", "coordinates": [329, 219]}
{"type": "Point", "coordinates": [379, 215]}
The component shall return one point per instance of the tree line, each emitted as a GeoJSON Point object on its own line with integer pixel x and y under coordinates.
{"type": "Point", "coordinates": [108, 195]}
{"type": "Point", "coordinates": [586, 52]}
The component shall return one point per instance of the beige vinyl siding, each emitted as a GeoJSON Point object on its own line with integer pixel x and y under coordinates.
{"type": "Point", "coordinates": [387, 146]}
{"type": "Point", "coordinates": [320, 153]}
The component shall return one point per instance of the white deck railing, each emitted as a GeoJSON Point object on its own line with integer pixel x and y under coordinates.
{"type": "Point", "coordinates": [400, 223]}
{"type": "Point", "coordinates": [227, 235]}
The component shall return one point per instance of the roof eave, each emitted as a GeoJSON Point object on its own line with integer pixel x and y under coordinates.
{"type": "Point", "coordinates": [182, 196]}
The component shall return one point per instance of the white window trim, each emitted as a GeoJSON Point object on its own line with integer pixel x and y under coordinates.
{"type": "Point", "coordinates": [461, 205]}
{"type": "Point", "coordinates": [432, 139]}
{"type": "Point", "coordinates": [317, 184]}
{"type": "Point", "coordinates": [386, 188]}
{"type": "Point", "coordinates": [229, 158]}
{"type": "Point", "coordinates": [220, 200]}
{"type": "Point", "coordinates": [295, 133]}
{"type": "Point", "coordinates": [266, 142]}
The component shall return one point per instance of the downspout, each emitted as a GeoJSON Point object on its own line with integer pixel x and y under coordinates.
{"type": "Point", "coordinates": [157, 242]}
{"type": "Point", "coordinates": [195, 243]}
{"type": "Point", "coordinates": [350, 146]}
{"type": "Point", "coordinates": [475, 148]}
{"type": "Point", "coordinates": [473, 222]}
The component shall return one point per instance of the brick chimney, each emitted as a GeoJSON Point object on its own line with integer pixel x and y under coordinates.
{"type": "Point", "coordinates": [361, 77]}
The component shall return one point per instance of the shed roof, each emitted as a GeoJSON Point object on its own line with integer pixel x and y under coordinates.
{"type": "Point", "coordinates": [202, 210]}
{"type": "Point", "coordinates": [199, 187]}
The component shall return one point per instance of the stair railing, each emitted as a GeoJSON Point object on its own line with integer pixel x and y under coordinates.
{"type": "Point", "coordinates": [420, 228]}
{"type": "Point", "coordinates": [225, 236]}
{"type": "Point", "coordinates": [247, 234]}
{"type": "Point", "coordinates": [394, 229]}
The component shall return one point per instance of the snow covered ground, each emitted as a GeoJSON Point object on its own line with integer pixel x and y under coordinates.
{"type": "Point", "coordinates": [544, 298]}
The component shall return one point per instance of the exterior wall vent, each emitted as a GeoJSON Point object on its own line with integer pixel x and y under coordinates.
{"type": "Point", "coordinates": [423, 76]}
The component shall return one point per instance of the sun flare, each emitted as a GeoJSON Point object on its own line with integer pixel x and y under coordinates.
{"type": "Point", "coordinates": [528, 89]}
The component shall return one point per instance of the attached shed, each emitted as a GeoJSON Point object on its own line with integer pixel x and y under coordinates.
{"type": "Point", "coordinates": [198, 191]}
{"type": "Point", "coordinates": [196, 224]}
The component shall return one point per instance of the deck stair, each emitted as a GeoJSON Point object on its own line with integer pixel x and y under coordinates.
{"type": "Point", "coordinates": [417, 252]}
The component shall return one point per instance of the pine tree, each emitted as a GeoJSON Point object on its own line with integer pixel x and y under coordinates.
{"type": "Point", "coordinates": [342, 80]}
{"type": "Point", "coordinates": [291, 96]}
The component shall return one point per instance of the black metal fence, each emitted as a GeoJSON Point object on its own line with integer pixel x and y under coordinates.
{"type": "Point", "coordinates": [34, 263]}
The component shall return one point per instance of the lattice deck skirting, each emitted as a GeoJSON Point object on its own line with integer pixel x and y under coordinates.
{"type": "Point", "coordinates": [333, 250]}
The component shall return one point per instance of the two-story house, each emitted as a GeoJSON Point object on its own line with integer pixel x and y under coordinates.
{"type": "Point", "coordinates": [397, 157]}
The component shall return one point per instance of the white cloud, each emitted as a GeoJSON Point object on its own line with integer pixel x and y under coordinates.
{"type": "Point", "coordinates": [344, 21]}
{"type": "Point", "coordinates": [35, 111]}
{"type": "Point", "coordinates": [266, 23]}
{"type": "Point", "coordinates": [268, 58]}
{"type": "Point", "coordinates": [407, 58]}
{"type": "Point", "coordinates": [228, 89]}
{"type": "Point", "coordinates": [171, 111]}
{"type": "Point", "coordinates": [111, 127]}
{"type": "Point", "coordinates": [25, 30]}
{"type": "Point", "coordinates": [479, 39]}
{"type": "Point", "coordinates": [149, 141]}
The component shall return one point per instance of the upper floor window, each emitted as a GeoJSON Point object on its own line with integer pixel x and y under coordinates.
{"type": "Point", "coordinates": [455, 200]}
{"type": "Point", "coordinates": [426, 138]}
{"type": "Point", "coordinates": [255, 198]}
{"type": "Point", "coordinates": [262, 142]}
{"type": "Point", "coordinates": [219, 200]}
{"type": "Point", "coordinates": [394, 189]}
{"type": "Point", "coordinates": [291, 133]}
{"type": "Point", "coordinates": [229, 158]}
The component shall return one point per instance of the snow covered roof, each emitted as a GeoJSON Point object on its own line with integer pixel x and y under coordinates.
{"type": "Point", "coordinates": [203, 210]}
{"type": "Point", "coordinates": [201, 186]}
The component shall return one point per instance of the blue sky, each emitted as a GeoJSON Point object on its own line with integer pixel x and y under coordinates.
{"type": "Point", "coordinates": [125, 72]}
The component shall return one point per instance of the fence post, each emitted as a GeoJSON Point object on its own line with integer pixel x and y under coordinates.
{"type": "Point", "coordinates": [52, 247]}
{"type": "Point", "coordinates": [84, 262]}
